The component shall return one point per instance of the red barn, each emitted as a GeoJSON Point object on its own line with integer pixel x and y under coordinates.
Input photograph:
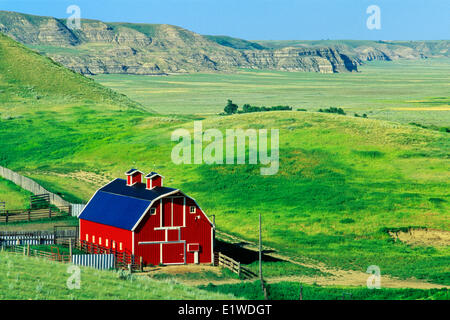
{"type": "Point", "coordinates": [160, 224]}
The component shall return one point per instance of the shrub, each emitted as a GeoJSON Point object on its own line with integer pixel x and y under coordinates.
{"type": "Point", "coordinates": [334, 110]}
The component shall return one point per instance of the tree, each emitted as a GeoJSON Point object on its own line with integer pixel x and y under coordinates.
{"type": "Point", "coordinates": [230, 108]}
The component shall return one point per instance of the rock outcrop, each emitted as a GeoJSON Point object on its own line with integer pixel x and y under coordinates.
{"type": "Point", "coordinates": [127, 48]}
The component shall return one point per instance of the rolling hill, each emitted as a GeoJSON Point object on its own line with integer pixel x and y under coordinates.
{"type": "Point", "coordinates": [26, 76]}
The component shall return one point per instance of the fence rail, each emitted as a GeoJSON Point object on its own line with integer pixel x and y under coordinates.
{"type": "Point", "coordinates": [20, 215]}
{"type": "Point", "coordinates": [28, 251]}
{"type": "Point", "coordinates": [59, 235]}
{"type": "Point", "coordinates": [224, 261]}
{"type": "Point", "coordinates": [37, 189]}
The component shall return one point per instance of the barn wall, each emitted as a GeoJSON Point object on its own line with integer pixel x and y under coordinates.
{"type": "Point", "coordinates": [106, 232]}
{"type": "Point", "coordinates": [197, 231]}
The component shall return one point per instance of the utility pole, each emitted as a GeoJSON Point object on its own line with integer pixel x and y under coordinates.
{"type": "Point", "coordinates": [260, 261]}
{"type": "Point", "coordinates": [260, 250]}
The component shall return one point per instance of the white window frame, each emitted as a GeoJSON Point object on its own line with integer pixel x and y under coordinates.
{"type": "Point", "coordinates": [190, 209]}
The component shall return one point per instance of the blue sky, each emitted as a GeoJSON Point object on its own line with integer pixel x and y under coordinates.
{"type": "Point", "coordinates": [266, 19]}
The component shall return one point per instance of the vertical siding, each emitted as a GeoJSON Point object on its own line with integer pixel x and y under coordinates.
{"type": "Point", "coordinates": [25, 240]}
{"type": "Point", "coordinates": [97, 261]}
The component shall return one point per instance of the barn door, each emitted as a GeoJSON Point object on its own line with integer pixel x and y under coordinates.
{"type": "Point", "coordinates": [173, 253]}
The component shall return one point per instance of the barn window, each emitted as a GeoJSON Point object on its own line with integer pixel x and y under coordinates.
{"type": "Point", "coordinates": [87, 237]}
{"type": "Point", "coordinates": [106, 243]}
{"type": "Point", "coordinates": [152, 210]}
{"type": "Point", "coordinates": [192, 209]}
{"type": "Point", "coordinates": [120, 246]}
{"type": "Point", "coordinates": [93, 239]}
{"type": "Point", "coordinates": [100, 241]}
{"type": "Point", "coordinates": [114, 244]}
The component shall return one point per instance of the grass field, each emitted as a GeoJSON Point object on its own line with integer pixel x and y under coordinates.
{"type": "Point", "coordinates": [48, 281]}
{"type": "Point", "coordinates": [291, 291]}
{"type": "Point", "coordinates": [343, 181]}
{"type": "Point", "coordinates": [404, 91]}
{"type": "Point", "coordinates": [13, 196]}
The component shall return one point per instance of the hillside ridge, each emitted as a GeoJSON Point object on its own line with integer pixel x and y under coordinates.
{"type": "Point", "coordinates": [156, 49]}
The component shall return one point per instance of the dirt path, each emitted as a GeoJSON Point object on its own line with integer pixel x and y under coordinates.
{"type": "Point", "coordinates": [337, 276]}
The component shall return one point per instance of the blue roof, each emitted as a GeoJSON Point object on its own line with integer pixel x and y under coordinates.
{"type": "Point", "coordinates": [119, 205]}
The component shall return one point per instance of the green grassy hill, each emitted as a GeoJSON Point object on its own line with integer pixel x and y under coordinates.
{"type": "Point", "coordinates": [343, 181]}
{"type": "Point", "coordinates": [13, 196]}
{"type": "Point", "coordinates": [48, 281]}
{"type": "Point", "coordinates": [27, 77]}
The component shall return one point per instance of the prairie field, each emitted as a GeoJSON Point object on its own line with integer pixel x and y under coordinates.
{"type": "Point", "coordinates": [48, 281]}
{"type": "Point", "coordinates": [402, 91]}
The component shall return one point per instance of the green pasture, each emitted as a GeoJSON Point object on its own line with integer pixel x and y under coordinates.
{"type": "Point", "coordinates": [25, 278]}
{"type": "Point", "coordinates": [403, 91]}
{"type": "Point", "coordinates": [291, 291]}
{"type": "Point", "coordinates": [13, 196]}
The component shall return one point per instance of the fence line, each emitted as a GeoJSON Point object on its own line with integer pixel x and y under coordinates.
{"type": "Point", "coordinates": [224, 261]}
{"type": "Point", "coordinates": [13, 238]}
{"type": "Point", "coordinates": [37, 189]}
{"type": "Point", "coordinates": [32, 214]}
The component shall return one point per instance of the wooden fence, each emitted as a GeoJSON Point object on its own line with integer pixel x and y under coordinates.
{"type": "Point", "coordinates": [224, 261]}
{"type": "Point", "coordinates": [21, 215]}
{"type": "Point", "coordinates": [60, 234]}
{"type": "Point", "coordinates": [28, 251]}
{"type": "Point", "coordinates": [124, 260]}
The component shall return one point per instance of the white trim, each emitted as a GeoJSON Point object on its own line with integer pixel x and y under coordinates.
{"type": "Point", "coordinates": [153, 175]}
{"type": "Point", "coordinates": [151, 203]}
{"type": "Point", "coordinates": [212, 245]}
{"type": "Point", "coordinates": [184, 211]}
{"type": "Point", "coordinates": [168, 228]}
{"type": "Point", "coordinates": [132, 251]}
{"type": "Point", "coordinates": [171, 213]}
{"type": "Point", "coordinates": [133, 172]}
{"type": "Point", "coordinates": [190, 244]}
{"type": "Point", "coordinates": [160, 213]}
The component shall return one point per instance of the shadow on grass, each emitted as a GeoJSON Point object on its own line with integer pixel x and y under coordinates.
{"type": "Point", "coordinates": [237, 252]}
